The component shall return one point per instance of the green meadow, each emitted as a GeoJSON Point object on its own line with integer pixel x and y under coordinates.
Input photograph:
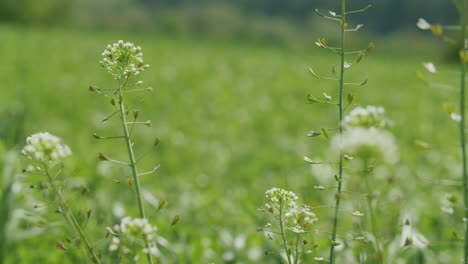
{"type": "Point", "coordinates": [232, 119]}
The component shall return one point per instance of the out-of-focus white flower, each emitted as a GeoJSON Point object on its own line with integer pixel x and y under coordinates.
{"type": "Point", "coordinates": [367, 143]}
{"type": "Point", "coordinates": [357, 213]}
{"type": "Point", "coordinates": [136, 227]}
{"type": "Point", "coordinates": [430, 67]}
{"type": "Point", "coordinates": [130, 233]}
{"type": "Point", "coordinates": [45, 147]}
{"type": "Point", "coordinates": [423, 24]}
{"type": "Point", "coordinates": [123, 60]}
{"type": "Point", "coordinates": [370, 116]}
{"type": "Point", "coordinates": [455, 117]}
{"type": "Point", "coordinates": [410, 237]}
{"type": "Point", "coordinates": [303, 216]}
{"type": "Point", "coordinates": [114, 245]}
{"type": "Point", "coordinates": [347, 65]}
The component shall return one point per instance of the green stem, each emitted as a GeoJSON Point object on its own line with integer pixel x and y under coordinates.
{"type": "Point", "coordinates": [71, 217]}
{"type": "Point", "coordinates": [132, 161]}
{"type": "Point", "coordinates": [5, 208]}
{"type": "Point", "coordinates": [283, 236]}
{"type": "Point", "coordinates": [462, 123]}
{"type": "Point", "coordinates": [296, 259]}
{"type": "Point", "coordinates": [340, 106]}
{"type": "Point", "coordinates": [370, 209]}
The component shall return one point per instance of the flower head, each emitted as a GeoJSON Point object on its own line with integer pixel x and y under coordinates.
{"type": "Point", "coordinates": [128, 237]}
{"type": "Point", "coordinates": [123, 60]}
{"type": "Point", "coordinates": [299, 219]}
{"type": "Point", "coordinates": [45, 147]}
{"type": "Point", "coordinates": [370, 116]}
{"type": "Point", "coordinates": [279, 198]}
{"type": "Point", "coordinates": [136, 227]}
{"type": "Point", "coordinates": [367, 143]}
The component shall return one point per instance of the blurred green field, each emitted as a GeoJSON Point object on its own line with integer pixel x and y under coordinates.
{"type": "Point", "coordinates": [232, 119]}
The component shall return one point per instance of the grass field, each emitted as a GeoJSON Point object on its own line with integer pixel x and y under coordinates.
{"type": "Point", "coordinates": [232, 119]}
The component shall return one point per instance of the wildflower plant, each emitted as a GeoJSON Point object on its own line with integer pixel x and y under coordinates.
{"type": "Point", "coordinates": [126, 239]}
{"type": "Point", "coordinates": [47, 153]}
{"type": "Point", "coordinates": [124, 62]}
{"type": "Point", "coordinates": [366, 117]}
{"type": "Point", "coordinates": [290, 223]}
{"type": "Point", "coordinates": [462, 47]}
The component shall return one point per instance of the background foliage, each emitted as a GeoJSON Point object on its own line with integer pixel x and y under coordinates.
{"type": "Point", "coordinates": [229, 108]}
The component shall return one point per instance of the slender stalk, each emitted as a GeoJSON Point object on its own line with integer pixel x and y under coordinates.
{"type": "Point", "coordinates": [5, 209]}
{"type": "Point", "coordinates": [70, 217]}
{"type": "Point", "coordinates": [462, 122]}
{"type": "Point", "coordinates": [132, 161]}
{"type": "Point", "coordinates": [370, 209]}
{"type": "Point", "coordinates": [296, 260]}
{"type": "Point", "coordinates": [283, 236]}
{"type": "Point", "coordinates": [340, 109]}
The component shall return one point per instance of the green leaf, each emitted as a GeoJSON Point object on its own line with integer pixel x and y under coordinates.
{"type": "Point", "coordinates": [312, 99]}
{"type": "Point", "coordinates": [313, 73]}
{"type": "Point", "coordinates": [351, 98]}
{"type": "Point", "coordinates": [421, 144]}
{"type": "Point", "coordinates": [325, 132]}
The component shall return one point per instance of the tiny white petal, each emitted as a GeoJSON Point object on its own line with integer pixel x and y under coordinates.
{"type": "Point", "coordinates": [430, 67]}
{"type": "Point", "coordinates": [423, 24]}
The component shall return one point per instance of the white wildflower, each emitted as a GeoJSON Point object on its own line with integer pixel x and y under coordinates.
{"type": "Point", "coordinates": [279, 198]}
{"type": "Point", "coordinates": [370, 116]}
{"type": "Point", "coordinates": [303, 216]}
{"type": "Point", "coordinates": [455, 117]}
{"type": "Point", "coordinates": [367, 143]}
{"type": "Point", "coordinates": [45, 147]}
{"type": "Point", "coordinates": [347, 65]}
{"type": "Point", "coordinates": [123, 60]}
{"type": "Point", "coordinates": [423, 24]}
{"type": "Point", "coordinates": [430, 67]}
{"type": "Point", "coordinates": [132, 232]}
{"type": "Point", "coordinates": [357, 213]}
{"type": "Point", "coordinates": [114, 244]}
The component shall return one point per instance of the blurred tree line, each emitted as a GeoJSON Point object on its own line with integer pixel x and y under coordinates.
{"type": "Point", "coordinates": [270, 19]}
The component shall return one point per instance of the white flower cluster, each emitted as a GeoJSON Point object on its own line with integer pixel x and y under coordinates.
{"type": "Point", "coordinates": [133, 230]}
{"type": "Point", "coordinates": [123, 60]}
{"type": "Point", "coordinates": [297, 218]}
{"type": "Point", "coordinates": [371, 116]}
{"type": "Point", "coordinates": [301, 218]}
{"type": "Point", "coordinates": [45, 147]}
{"type": "Point", "coordinates": [280, 198]}
{"type": "Point", "coordinates": [367, 143]}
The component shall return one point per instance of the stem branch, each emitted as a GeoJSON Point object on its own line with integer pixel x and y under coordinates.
{"type": "Point", "coordinates": [340, 106]}
{"type": "Point", "coordinates": [132, 162]}
{"type": "Point", "coordinates": [70, 217]}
